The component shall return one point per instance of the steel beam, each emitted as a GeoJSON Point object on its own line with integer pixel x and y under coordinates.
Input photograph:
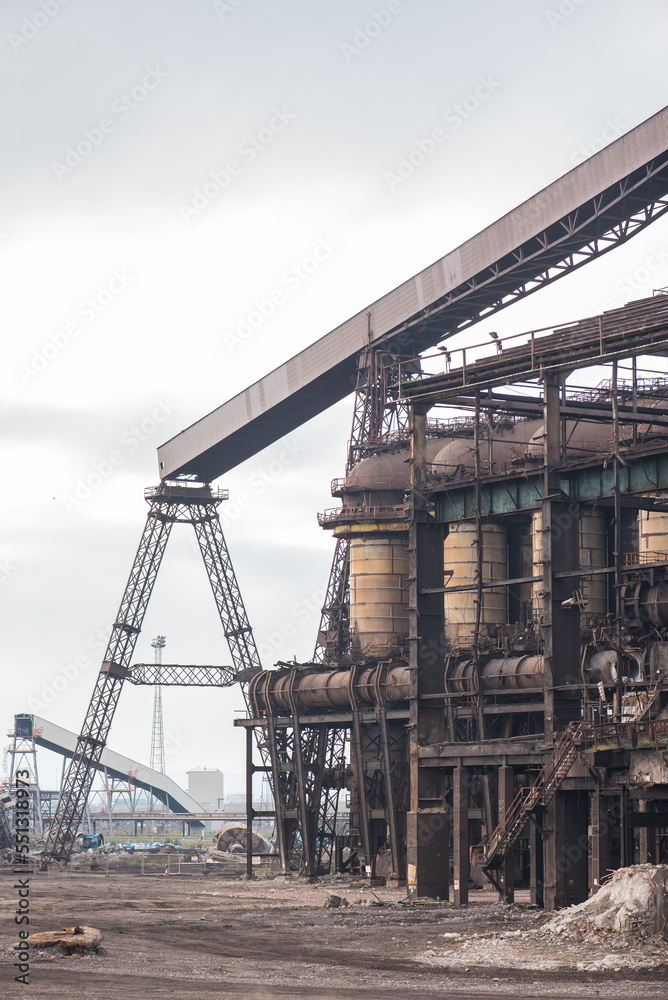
{"type": "Point", "coordinates": [589, 211]}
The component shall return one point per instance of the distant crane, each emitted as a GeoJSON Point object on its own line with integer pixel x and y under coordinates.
{"type": "Point", "coordinates": [157, 732]}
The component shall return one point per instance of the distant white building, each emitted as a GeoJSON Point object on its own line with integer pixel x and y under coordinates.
{"type": "Point", "coordinates": [205, 785]}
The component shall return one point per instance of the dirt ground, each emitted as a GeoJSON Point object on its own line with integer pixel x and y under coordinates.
{"type": "Point", "coordinates": [195, 937]}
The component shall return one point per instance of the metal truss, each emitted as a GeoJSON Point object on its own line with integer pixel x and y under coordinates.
{"type": "Point", "coordinates": [604, 222]}
{"type": "Point", "coordinates": [379, 755]}
{"type": "Point", "coordinates": [334, 632]}
{"type": "Point", "coordinates": [310, 748]}
{"type": "Point", "coordinates": [332, 784]}
{"type": "Point", "coordinates": [169, 503]}
{"type": "Point", "coordinates": [157, 760]}
{"type": "Point", "coordinates": [378, 412]}
{"type": "Point", "coordinates": [280, 745]}
{"type": "Point", "coordinates": [239, 635]}
{"type": "Point", "coordinates": [378, 416]}
{"type": "Point", "coordinates": [308, 765]}
{"type": "Point", "coordinates": [180, 675]}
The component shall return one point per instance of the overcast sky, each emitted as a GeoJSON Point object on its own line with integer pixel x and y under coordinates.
{"type": "Point", "coordinates": [168, 164]}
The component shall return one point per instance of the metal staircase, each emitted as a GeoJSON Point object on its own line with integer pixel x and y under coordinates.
{"type": "Point", "coordinates": [537, 796]}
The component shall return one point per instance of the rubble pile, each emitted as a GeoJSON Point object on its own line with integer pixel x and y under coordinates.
{"type": "Point", "coordinates": [634, 901]}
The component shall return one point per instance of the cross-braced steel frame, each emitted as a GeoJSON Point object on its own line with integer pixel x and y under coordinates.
{"type": "Point", "coordinates": [377, 415]}
{"type": "Point", "coordinates": [194, 504]}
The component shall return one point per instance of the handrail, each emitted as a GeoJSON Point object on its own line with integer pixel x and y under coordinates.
{"type": "Point", "coordinates": [362, 513]}
{"type": "Point", "coordinates": [556, 767]}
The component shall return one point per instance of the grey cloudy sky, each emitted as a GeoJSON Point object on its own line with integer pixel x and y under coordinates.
{"type": "Point", "coordinates": [132, 256]}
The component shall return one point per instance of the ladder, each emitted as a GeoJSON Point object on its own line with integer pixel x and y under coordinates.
{"type": "Point", "coordinates": [538, 795]}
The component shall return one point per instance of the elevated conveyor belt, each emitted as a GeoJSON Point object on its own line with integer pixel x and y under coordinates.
{"type": "Point", "coordinates": [590, 210]}
{"type": "Point", "coordinates": [62, 741]}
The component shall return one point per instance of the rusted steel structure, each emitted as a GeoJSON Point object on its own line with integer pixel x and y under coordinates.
{"type": "Point", "coordinates": [188, 503]}
{"type": "Point", "coordinates": [499, 591]}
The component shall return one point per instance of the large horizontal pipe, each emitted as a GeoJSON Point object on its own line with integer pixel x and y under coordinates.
{"type": "Point", "coordinates": [299, 688]}
{"type": "Point", "coordinates": [513, 673]}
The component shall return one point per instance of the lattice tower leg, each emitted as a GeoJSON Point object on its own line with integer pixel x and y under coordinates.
{"type": "Point", "coordinates": [91, 742]}
{"type": "Point", "coordinates": [334, 631]}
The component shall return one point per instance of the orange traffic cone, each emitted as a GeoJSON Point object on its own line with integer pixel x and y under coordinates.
{"type": "Point", "coordinates": [166, 871]}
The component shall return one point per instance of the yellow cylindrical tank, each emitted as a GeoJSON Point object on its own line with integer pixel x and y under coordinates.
{"type": "Point", "coordinates": [652, 533]}
{"type": "Point", "coordinates": [460, 556]}
{"type": "Point", "coordinates": [593, 552]}
{"type": "Point", "coordinates": [379, 590]}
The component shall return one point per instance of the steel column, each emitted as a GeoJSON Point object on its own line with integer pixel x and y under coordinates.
{"type": "Point", "coordinates": [507, 870]}
{"type": "Point", "coordinates": [460, 835]}
{"type": "Point", "coordinates": [427, 825]}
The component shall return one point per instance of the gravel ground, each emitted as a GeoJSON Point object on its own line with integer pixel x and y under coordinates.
{"type": "Point", "coordinates": [195, 937]}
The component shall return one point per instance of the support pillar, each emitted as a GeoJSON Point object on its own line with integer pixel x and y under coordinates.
{"type": "Point", "coordinates": [249, 802]}
{"type": "Point", "coordinates": [560, 553]}
{"type": "Point", "coordinates": [537, 878]}
{"type": "Point", "coordinates": [507, 870]}
{"type": "Point", "coordinates": [427, 842]}
{"type": "Point", "coordinates": [550, 855]}
{"type": "Point", "coordinates": [598, 851]}
{"type": "Point", "coordinates": [460, 835]}
{"type": "Point", "coordinates": [647, 836]}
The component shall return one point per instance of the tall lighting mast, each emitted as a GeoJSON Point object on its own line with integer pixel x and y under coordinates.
{"type": "Point", "coordinates": [157, 733]}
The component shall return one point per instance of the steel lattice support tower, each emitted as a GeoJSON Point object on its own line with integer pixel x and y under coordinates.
{"type": "Point", "coordinates": [157, 729]}
{"type": "Point", "coordinates": [378, 417]}
{"type": "Point", "coordinates": [23, 758]}
{"type": "Point", "coordinates": [169, 503]}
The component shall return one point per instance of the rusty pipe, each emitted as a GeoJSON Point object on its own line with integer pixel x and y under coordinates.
{"type": "Point", "coordinates": [304, 688]}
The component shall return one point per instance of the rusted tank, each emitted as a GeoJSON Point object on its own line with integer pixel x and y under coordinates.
{"type": "Point", "coordinates": [512, 673]}
{"type": "Point", "coordinates": [308, 688]}
{"type": "Point", "coordinates": [379, 590]}
{"type": "Point", "coordinates": [379, 550]}
{"type": "Point", "coordinates": [592, 552]}
{"type": "Point", "coordinates": [602, 667]}
{"type": "Point", "coordinates": [652, 534]}
{"type": "Point", "coordinates": [460, 563]}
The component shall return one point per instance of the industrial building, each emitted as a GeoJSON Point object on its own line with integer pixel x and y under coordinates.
{"type": "Point", "coordinates": [489, 684]}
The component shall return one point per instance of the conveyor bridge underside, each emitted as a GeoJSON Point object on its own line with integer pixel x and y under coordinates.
{"type": "Point", "coordinates": [590, 210]}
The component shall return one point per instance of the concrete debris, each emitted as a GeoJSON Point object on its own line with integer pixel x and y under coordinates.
{"type": "Point", "coordinates": [69, 941]}
{"type": "Point", "coordinates": [632, 902]}
{"type": "Point", "coordinates": [333, 902]}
